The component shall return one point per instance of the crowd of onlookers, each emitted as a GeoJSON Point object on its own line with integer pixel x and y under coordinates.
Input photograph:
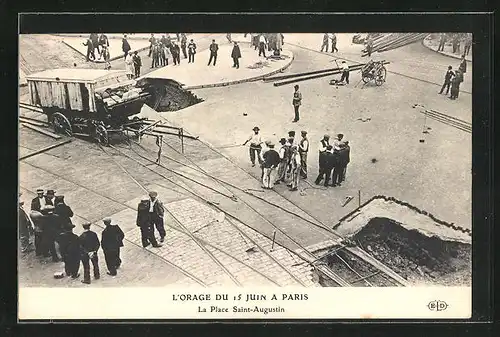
{"type": "Point", "coordinates": [457, 40]}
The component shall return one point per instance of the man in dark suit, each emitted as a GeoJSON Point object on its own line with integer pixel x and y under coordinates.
{"type": "Point", "coordinates": [125, 46]}
{"type": "Point", "coordinates": [145, 224]}
{"type": "Point", "coordinates": [325, 166]}
{"type": "Point", "coordinates": [64, 213]}
{"type": "Point", "coordinates": [137, 64]}
{"type": "Point", "coordinates": [236, 55]}
{"type": "Point", "coordinates": [50, 226]}
{"type": "Point", "coordinates": [336, 167]}
{"type": "Point", "coordinates": [447, 80]}
{"type": "Point", "coordinates": [152, 42]}
{"type": "Point", "coordinates": [111, 242]}
{"type": "Point", "coordinates": [214, 47]}
{"type": "Point", "coordinates": [191, 51]}
{"type": "Point", "coordinates": [344, 159]}
{"type": "Point", "coordinates": [69, 244]}
{"type": "Point", "coordinates": [184, 44]}
{"type": "Point", "coordinates": [90, 245]}
{"type": "Point", "coordinates": [176, 51]}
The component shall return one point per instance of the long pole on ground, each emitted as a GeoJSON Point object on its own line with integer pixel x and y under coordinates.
{"type": "Point", "coordinates": [359, 198]}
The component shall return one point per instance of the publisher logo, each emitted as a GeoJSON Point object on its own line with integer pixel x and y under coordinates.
{"type": "Point", "coordinates": [437, 305]}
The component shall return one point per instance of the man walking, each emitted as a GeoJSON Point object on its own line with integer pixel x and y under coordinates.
{"type": "Point", "coordinates": [125, 46]}
{"type": "Point", "coordinates": [183, 44]}
{"type": "Point", "coordinates": [297, 101]}
{"type": "Point", "coordinates": [271, 161]}
{"type": "Point", "coordinates": [191, 51]}
{"type": "Point", "coordinates": [262, 45]}
{"type": "Point", "coordinates": [447, 80]}
{"type": "Point", "coordinates": [303, 150]}
{"type": "Point", "coordinates": [156, 212]}
{"type": "Point", "coordinates": [236, 54]}
{"type": "Point", "coordinates": [442, 42]}
{"type": "Point", "coordinates": [214, 47]}
{"type": "Point", "coordinates": [90, 245]}
{"type": "Point", "coordinates": [296, 168]}
{"type": "Point", "coordinates": [325, 42]}
{"type": "Point", "coordinates": [334, 43]}
{"type": "Point", "coordinates": [111, 241]}
{"type": "Point", "coordinates": [255, 145]}
{"type": "Point", "coordinates": [137, 64]}
{"type": "Point", "coordinates": [145, 224]}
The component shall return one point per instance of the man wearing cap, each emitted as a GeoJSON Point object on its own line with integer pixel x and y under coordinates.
{"type": "Point", "coordinates": [290, 143]}
{"type": "Point", "coordinates": [50, 226]}
{"type": "Point", "coordinates": [295, 161]}
{"type": "Point", "coordinates": [337, 142]}
{"type": "Point", "coordinates": [111, 242]}
{"type": "Point", "coordinates": [336, 167]}
{"type": "Point", "coordinates": [303, 149]}
{"type": "Point", "coordinates": [64, 213]}
{"type": "Point", "coordinates": [283, 153]}
{"type": "Point", "coordinates": [325, 165]}
{"type": "Point", "coordinates": [25, 229]}
{"type": "Point", "coordinates": [157, 211]}
{"type": "Point", "coordinates": [344, 159]}
{"type": "Point", "coordinates": [345, 72]}
{"type": "Point", "coordinates": [145, 224]}
{"type": "Point", "coordinates": [296, 102]}
{"type": "Point", "coordinates": [69, 244]}
{"type": "Point", "coordinates": [49, 198]}
{"type": "Point", "coordinates": [255, 145]}
{"type": "Point", "coordinates": [271, 161]}
{"type": "Point", "coordinates": [90, 245]}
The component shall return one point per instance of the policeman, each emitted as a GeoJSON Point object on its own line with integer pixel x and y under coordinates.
{"type": "Point", "coordinates": [303, 149]}
{"type": "Point", "coordinates": [296, 102]}
{"type": "Point", "coordinates": [90, 245]}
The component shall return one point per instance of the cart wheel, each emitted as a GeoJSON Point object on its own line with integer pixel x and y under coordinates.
{"type": "Point", "coordinates": [365, 79]}
{"type": "Point", "coordinates": [61, 124]}
{"type": "Point", "coordinates": [101, 135]}
{"type": "Point", "coordinates": [380, 78]}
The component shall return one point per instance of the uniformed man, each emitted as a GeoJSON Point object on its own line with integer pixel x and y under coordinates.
{"type": "Point", "coordinates": [157, 211]}
{"type": "Point", "coordinates": [296, 164]}
{"type": "Point", "coordinates": [25, 229]}
{"type": "Point", "coordinates": [69, 244]}
{"type": "Point", "coordinates": [303, 149]}
{"type": "Point", "coordinates": [255, 145]}
{"type": "Point", "coordinates": [447, 80]}
{"type": "Point", "coordinates": [191, 51]}
{"type": "Point", "coordinates": [145, 224]}
{"type": "Point", "coordinates": [324, 166]}
{"type": "Point", "coordinates": [271, 162]}
{"type": "Point", "coordinates": [90, 246]}
{"type": "Point", "coordinates": [344, 159]}
{"type": "Point", "coordinates": [111, 241]}
{"type": "Point", "coordinates": [214, 47]}
{"type": "Point", "coordinates": [297, 101]}
{"type": "Point", "coordinates": [325, 42]}
{"type": "Point", "coordinates": [283, 153]}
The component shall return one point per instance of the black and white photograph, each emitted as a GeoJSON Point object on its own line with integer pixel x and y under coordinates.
{"type": "Point", "coordinates": [211, 165]}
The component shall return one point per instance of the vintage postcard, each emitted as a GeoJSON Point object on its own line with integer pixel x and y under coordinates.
{"type": "Point", "coordinates": [245, 175]}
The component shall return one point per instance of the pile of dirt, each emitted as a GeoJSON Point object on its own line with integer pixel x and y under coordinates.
{"type": "Point", "coordinates": [415, 256]}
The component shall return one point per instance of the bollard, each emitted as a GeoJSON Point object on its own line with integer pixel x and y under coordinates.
{"type": "Point", "coordinates": [274, 238]}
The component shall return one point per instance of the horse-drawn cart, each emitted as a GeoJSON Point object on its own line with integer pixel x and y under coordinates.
{"type": "Point", "coordinates": [374, 71]}
{"type": "Point", "coordinates": [91, 102]}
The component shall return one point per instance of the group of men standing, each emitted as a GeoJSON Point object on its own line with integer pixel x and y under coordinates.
{"type": "Point", "coordinates": [287, 164]}
{"type": "Point", "coordinates": [99, 43]}
{"type": "Point", "coordinates": [456, 40]}
{"type": "Point", "coordinates": [333, 160]}
{"type": "Point", "coordinates": [333, 42]}
{"type": "Point", "coordinates": [161, 49]}
{"type": "Point", "coordinates": [150, 213]}
{"type": "Point", "coordinates": [50, 222]}
{"type": "Point", "coordinates": [453, 79]}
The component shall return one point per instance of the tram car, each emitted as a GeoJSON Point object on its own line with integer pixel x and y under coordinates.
{"type": "Point", "coordinates": [91, 102]}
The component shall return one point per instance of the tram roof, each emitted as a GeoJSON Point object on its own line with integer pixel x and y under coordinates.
{"type": "Point", "coordinates": [73, 75]}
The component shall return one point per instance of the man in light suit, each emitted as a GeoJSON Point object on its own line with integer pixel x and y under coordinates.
{"type": "Point", "coordinates": [156, 212]}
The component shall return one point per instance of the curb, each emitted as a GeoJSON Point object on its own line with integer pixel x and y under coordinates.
{"type": "Point", "coordinates": [251, 79]}
{"type": "Point", "coordinates": [101, 62]}
{"type": "Point", "coordinates": [440, 53]}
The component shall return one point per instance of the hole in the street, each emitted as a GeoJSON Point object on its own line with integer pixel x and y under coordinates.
{"type": "Point", "coordinates": [419, 258]}
{"type": "Point", "coordinates": [169, 95]}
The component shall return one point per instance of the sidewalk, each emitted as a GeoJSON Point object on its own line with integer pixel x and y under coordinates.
{"type": "Point", "coordinates": [200, 75]}
{"type": "Point", "coordinates": [433, 44]}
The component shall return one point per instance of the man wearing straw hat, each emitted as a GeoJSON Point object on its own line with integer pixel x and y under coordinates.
{"type": "Point", "coordinates": [255, 145]}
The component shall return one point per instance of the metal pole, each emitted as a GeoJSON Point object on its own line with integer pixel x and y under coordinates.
{"type": "Point", "coordinates": [359, 198]}
{"type": "Point", "coordinates": [274, 238]}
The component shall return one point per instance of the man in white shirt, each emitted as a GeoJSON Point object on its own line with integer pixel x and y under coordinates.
{"type": "Point", "coordinates": [283, 153]}
{"type": "Point", "coordinates": [337, 143]}
{"type": "Point", "coordinates": [156, 212]}
{"type": "Point", "coordinates": [323, 144]}
{"type": "Point", "coordinates": [303, 149]}
{"type": "Point", "coordinates": [262, 45]}
{"type": "Point", "coordinates": [255, 145]}
{"type": "Point", "coordinates": [345, 72]}
{"type": "Point", "coordinates": [295, 160]}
